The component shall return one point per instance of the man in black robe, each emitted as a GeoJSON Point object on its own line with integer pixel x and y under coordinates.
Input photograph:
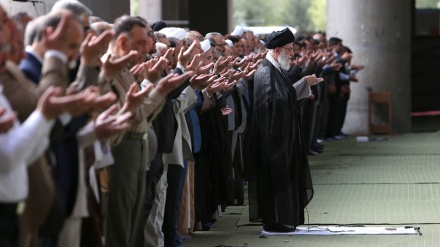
{"type": "Point", "coordinates": [284, 185]}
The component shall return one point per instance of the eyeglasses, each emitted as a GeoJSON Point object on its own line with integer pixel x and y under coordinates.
{"type": "Point", "coordinates": [221, 45]}
{"type": "Point", "coordinates": [150, 33]}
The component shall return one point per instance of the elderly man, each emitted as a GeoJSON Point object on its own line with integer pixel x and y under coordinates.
{"type": "Point", "coordinates": [281, 165]}
{"type": "Point", "coordinates": [125, 207]}
{"type": "Point", "coordinates": [23, 144]}
{"type": "Point", "coordinates": [218, 41]}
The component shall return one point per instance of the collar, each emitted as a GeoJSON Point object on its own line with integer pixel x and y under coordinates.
{"type": "Point", "coordinates": [273, 61]}
{"type": "Point", "coordinates": [29, 49]}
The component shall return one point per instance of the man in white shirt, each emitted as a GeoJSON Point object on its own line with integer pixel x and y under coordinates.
{"type": "Point", "coordinates": [21, 144]}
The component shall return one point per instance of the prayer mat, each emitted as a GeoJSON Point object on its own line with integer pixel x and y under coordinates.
{"type": "Point", "coordinates": [349, 230]}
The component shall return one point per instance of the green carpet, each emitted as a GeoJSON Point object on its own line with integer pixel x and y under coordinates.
{"type": "Point", "coordinates": [394, 182]}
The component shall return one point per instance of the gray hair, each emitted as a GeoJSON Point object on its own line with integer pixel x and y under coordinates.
{"type": "Point", "coordinates": [77, 8]}
{"type": "Point", "coordinates": [160, 47]}
{"type": "Point", "coordinates": [159, 35]}
{"type": "Point", "coordinates": [100, 26]}
{"type": "Point", "coordinates": [33, 29]}
{"type": "Point", "coordinates": [212, 35]}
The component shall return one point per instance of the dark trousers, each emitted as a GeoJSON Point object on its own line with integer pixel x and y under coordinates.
{"type": "Point", "coordinates": [169, 222]}
{"type": "Point", "coordinates": [177, 240]}
{"type": "Point", "coordinates": [126, 198]}
{"type": "Point", "coordinates": [307, 120]}
{"type": "Point", "coordinates": [335, 111]}
{"type": "Point", "coordinates": [153, 177]}
{"type": "Point", "coordinates": [9, 230]}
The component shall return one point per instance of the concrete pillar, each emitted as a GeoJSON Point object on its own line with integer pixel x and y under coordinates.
{"type": "Point", "coordinates": [151, 10]}
{"type": "Point", "coordinates": [379, 34]}
{"type": "Point", "coordinates": [230, 13]}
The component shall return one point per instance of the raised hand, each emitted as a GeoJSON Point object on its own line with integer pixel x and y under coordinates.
{"type": "Point", "coordinates": [205, 69]}
{"type": "Point", "coordinates": [227, 74]}
{"type": "Point", "coordinates": [217, 85]}
{"type": "Point", "coordinates": [194, 65]}
{"type": "Point", "coordinates": [153, 69]}
{"type": "Point", "coordinates": [185, 56]}
{"type": "Point", "coordinates": [221, 64]}
{"type": "Point", "coordinates": [229, 86]}
{"type": "Point", "coordinates": [52, 104]}
{"type": "Point", "coordinates": [108, 124]}
{"type": "Point", "coordinates": [249, 75]}
{"type": "Point", "coordinates": [172, 81]}
{"type": "Point", "coordinates": [94, 46]}
{"type": "Point", "coordinates": [138, 71]}
{"type": "Point", "coordinates": [89, 96]}
{"type": "Point", "coordinates": [237, 63]}
{"type": "Point", "coordinates": [316, 55]}
{"type": "Point", "coordinates": [169, 53]}
{"type": "Point", "coordinates": [313, 80]}
{"type": "Point", "coordinates": [134, 98]}
{"type": "Point", "coordinates": [347, 56]}
{"type": "Point", "coordinates": [256, 64]}
{"type": "Point", "coordinates": [57, 39]}
{"type": "Point", "coordinates": [335, 66]}
{"type": "Point", "coordinates": [7, 120]}
{"type": "Point", "coordinates": [330, 57]}
{"type": "Point", "coordinates": [103, 101]}
{"type": "Point", "coordinates": [237, 76]}
{"type": "Point", "coordinates": [357, 67]}
{"type": "Point", "coordinates": [200, 81]}
{"type": "Point", "coordinates": [112, 66]}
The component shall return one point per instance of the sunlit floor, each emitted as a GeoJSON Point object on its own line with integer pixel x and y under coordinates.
{"type": "Point", "coordinates": [394, 182]}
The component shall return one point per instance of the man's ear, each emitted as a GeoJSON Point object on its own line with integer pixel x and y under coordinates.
{"type": "Point", "coordinates": [123, 43]}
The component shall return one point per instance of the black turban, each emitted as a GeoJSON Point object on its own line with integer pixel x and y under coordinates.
{"type": "Point", "coordinates": [279, 38]}
{"type": "Point", "coordinates": [158, 25]}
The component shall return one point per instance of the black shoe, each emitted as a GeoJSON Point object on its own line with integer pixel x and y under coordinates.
{"type": "Point", "coordinates": [317, 147]}
{"type": "Point", "coordinates": [320, 145]}
{"type": "Point", "coordinates": [278, 228]}
{"type": "Point", "coordinates": [311, 152]}
{"type": "Point", "coordinates": [318, 150]}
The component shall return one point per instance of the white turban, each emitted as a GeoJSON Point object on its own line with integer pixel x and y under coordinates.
{"type": "Point", "coordinates": [238, 31]}
{"type": "Point", "coordinates": [176, 32]}
{"type": "Point", "coordinates": [206, 45]}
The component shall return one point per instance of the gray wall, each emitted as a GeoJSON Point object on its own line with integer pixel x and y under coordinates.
{"type": "Point", "coordinates": [106, 9]}
{"type": "Point", "coordinates": [13, 7]}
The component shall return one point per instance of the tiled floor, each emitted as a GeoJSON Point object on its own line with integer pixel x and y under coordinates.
{"type": "Point", "coordinates": [395, 182]}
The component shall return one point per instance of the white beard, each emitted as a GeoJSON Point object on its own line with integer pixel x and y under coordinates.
{"type": "Point", "coordinates": [284, 60]}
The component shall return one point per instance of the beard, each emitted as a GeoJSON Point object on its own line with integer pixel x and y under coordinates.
{"type": "Point", "coordinates": [284, 60]}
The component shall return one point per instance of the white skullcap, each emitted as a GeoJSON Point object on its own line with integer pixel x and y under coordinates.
{"type": "Point", "coordinates": [238, 31]}
{"type": "Point", "coordinates": [206, 45]}
{"type": "Point", "coordinates": [176, 32]}
{"type": "Point", "coordinates": [229, 42]}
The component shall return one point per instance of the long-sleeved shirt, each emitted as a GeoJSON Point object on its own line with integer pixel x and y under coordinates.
{"type": "Point", "coordinates": [19, 147]}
